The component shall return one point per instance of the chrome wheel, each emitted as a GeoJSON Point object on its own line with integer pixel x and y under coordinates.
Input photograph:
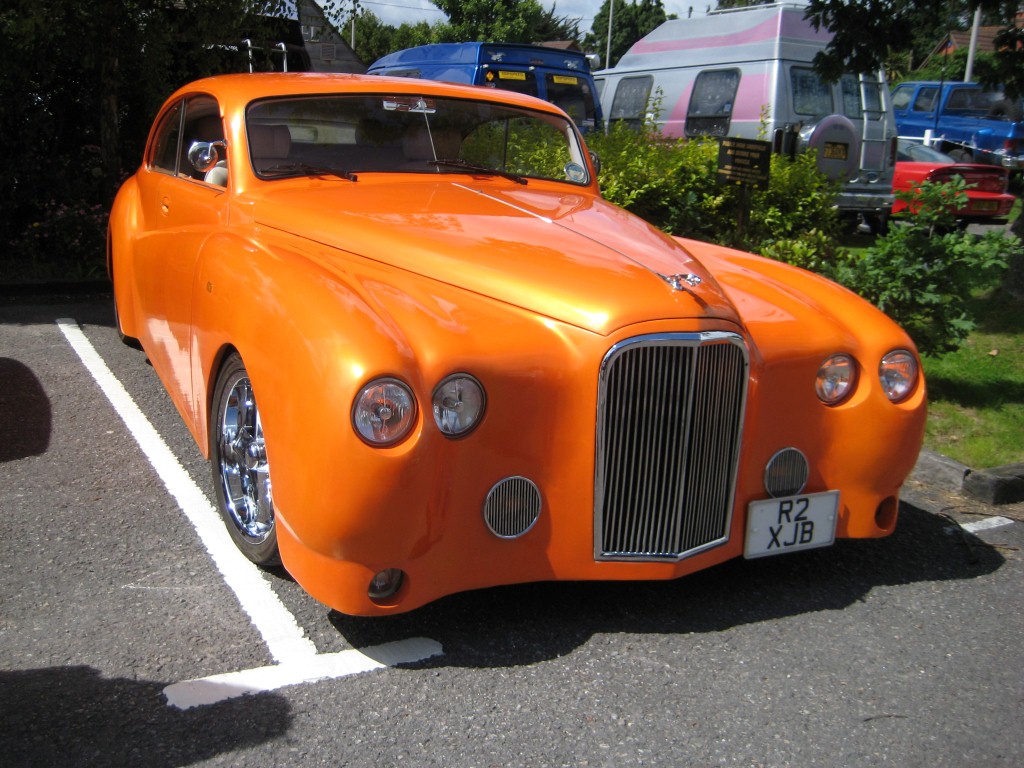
{"type": "Point", "coordinates": [240, 467]}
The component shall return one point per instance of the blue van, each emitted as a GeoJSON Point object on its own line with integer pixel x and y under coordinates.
{"type": "Point", "coordinates": [559, 76]}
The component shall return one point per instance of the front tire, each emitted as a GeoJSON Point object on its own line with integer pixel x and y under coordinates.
{"type": "Point", "coordinates": [241, 472]}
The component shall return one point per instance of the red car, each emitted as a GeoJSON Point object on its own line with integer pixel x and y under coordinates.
{"type": "Point", "coordinates": [986, 194]}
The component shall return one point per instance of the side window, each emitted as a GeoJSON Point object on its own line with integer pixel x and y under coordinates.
{"type": "Point", "coordinates": [165, 144]}
{"type": "Point", "coordinates": [925, 101]}
{"type": "Point", "coordinates": [631, 97]}
{"type": "Point", "coordinates": [811, 96]}
{"type": "Point", "coordinates": [712, 101]}
{"type": "Point", "coordinates": [860, 96]}
{"type": "Point", "coordinates": [901, 97]}
{"type": "Point", "coordinates": [202, 124]}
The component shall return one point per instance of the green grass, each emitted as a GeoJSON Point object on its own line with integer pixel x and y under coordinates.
{"type": "Point", "coordinates": [976, 394]}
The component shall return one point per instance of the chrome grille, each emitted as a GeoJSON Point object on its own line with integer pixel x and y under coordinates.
{"type": "Point", "coordinates": [670, 412]}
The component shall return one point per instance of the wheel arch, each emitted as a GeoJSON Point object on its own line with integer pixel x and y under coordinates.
{"type": "Point", "coordinates": [122, 225]}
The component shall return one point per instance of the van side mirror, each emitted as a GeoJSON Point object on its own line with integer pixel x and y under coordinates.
{"type": "Point", "coordinates": [595, 160]}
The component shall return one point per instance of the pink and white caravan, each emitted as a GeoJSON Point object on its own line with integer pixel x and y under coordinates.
{"type": "Point", "coordinates": [748, 73]}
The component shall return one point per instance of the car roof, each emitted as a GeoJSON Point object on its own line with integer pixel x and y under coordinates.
{"type": "Point", "coordinates": [237, 90]}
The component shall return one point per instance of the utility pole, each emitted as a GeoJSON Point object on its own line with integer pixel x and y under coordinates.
{"type": "Point", "coordinates": [355, 10]}
{"type": "Point", "coordinates": [969, 74]}
{"type": "Point", "coordinates": [608, 48]}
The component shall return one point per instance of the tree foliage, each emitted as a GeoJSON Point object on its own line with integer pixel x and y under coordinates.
{"type": "Point", "coordinates": [922, 273]}
{"type": "Point", "coordinates": [869, 34]}
{"type": "Point", "coordinates": [509, 21]}
{"type": "Point", "coordinates": [630, 22]}
{"type": "Point", "coordinates": [80, 82]}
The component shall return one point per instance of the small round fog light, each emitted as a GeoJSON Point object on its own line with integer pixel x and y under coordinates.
{"type": "Point", "coordinates": [385, 584]}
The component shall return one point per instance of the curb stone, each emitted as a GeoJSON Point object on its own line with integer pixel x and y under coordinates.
{"type": "Point", "coordinates": [941, 485]}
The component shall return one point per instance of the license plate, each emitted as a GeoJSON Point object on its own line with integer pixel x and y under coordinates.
{"type": "Point", "coordinates": [987, 206]}
{"type": "Point", "coordinates": [834, 150]}
{"type": "Point", "coordinates": [791, 523]}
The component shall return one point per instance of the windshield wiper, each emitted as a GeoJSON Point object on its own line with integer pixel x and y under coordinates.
{"type": "Point", "coordinates": [468, 166]}
{"type": "Point", "coordinates": [305, 169]}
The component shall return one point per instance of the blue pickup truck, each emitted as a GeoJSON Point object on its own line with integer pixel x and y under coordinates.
{"type": "Point", "coordinates": [967, 121]}
{"type": "Point", "coordinates": [553, 74]}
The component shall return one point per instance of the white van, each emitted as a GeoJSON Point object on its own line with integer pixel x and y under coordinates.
{"type": "Point", "coordinates": [747, 72]}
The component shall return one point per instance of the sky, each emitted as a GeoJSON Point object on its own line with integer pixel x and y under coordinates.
{"type": "Point", "coordinates": [396, 12]}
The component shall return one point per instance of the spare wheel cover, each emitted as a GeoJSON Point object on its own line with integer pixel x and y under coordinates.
{"type": "Point", "coordinates": [833, 137]}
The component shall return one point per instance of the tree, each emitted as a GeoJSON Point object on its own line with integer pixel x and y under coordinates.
{"type": "Point", "coordinates": [866, 33]}
{"type": "Point", "coordinates": [505, 21]}
{"type": "Point", "coordinates": [81, 80]}
{"type": "Point", "coordinates": [630, 22]}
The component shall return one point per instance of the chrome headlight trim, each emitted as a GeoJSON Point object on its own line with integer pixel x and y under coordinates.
{"type": "Point", "coordinates": [459, 403]}
{"type": "Point", "coordinates": [384, 412]}
{"type": "Point", "coordinates": [836, 378]}
{"type": "Point", "coordinates": [898, 373]}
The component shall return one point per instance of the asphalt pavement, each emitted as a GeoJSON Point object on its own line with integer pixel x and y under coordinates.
{"type": "Point", "coordinates": [903, 651]}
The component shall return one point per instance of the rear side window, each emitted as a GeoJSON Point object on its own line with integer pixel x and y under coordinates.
{"type": "Point", "coordinates": [511, 80]}
{"type": "Point", "coordinates": [811, 96]}
{"type": "Point", "coordinates": [165, 144]}
{"type": "Point", "coordinates": [711, 103]}
{"type": "Point", "coordinates": [901, 97]}
{"type": "Point", "coordinates": [925, 101]}
{"type": "Point", "coordinates": [630, 102]}
{"type": "Point", "coordinates": [573, 94]}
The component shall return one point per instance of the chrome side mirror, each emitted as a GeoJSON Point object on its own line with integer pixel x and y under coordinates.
{"type": "Point", "coordinates": [203, 155]}
{"type": "Point", "coordinates": [595, 161]}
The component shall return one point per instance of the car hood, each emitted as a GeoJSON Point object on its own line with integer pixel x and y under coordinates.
{"type": "Point", "coordinates": [570, 256]}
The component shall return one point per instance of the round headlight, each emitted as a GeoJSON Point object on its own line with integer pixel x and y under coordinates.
{"type": "Point", "coordinates": [898, 373]}
{"type": "Point", "coordinates": [836, 377]}
{"type": "Point", "coordinates": [384, 412]}
{"type": "Point", "coordinates": [459, 403]}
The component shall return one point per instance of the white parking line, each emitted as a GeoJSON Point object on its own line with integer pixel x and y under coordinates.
{"type": "Point", "coordinates": [209, 690]}
{"type": "Point", "coordinates": [295, 654]}
{"type": "Point", "coordinates": [984, 525]}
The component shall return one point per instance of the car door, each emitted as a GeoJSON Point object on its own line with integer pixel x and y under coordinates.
{"type": "Point", "coordinates": [183, 205]}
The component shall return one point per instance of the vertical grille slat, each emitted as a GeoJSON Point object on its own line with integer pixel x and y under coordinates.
{"type": "Point", "coordinates": [669, 421]}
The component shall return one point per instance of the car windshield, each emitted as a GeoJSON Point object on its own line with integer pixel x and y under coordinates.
{"type": "Point", "coordinates": [908, 151]}
{"type": "Point", "coordinates": [343, 135]}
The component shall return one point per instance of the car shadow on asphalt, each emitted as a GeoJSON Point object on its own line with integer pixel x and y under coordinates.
{"type": "Point", "coordinates": [73, 716]}
{"type": "Point", "coordinates": [525, 624]}
{"type": "Point", "coordinates": [26, 419]}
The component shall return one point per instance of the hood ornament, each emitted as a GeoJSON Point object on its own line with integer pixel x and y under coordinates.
{"type": "Point", "coordinates": [683, 282]}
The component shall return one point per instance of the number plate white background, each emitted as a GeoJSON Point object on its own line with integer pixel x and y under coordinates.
{"type": "Point", "coordinates": [791, 523]}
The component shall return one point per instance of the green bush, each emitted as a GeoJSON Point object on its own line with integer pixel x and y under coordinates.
{"type": "Point", "coordinates": [672, 183]}
{"type": "Point", "coordinates": [923, 271]}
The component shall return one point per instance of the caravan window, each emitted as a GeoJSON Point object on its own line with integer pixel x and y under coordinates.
{"type": "Point", "coordinates": [630, 102]}
{"type": "Point", "coordinates": [810, 96]}
{"type": "Point", "coordinates": [852, 88]}
{"type": "Point", "coordinates": [711, 103]}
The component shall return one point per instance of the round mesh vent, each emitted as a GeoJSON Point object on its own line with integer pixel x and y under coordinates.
{"type": "Point", "coordinates": [786, 473]}
{"type": "Point", "coordinates": [512, 507]}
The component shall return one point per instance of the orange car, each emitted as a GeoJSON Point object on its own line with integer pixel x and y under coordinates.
{"type": "Point", "coordinates": [423, 355]}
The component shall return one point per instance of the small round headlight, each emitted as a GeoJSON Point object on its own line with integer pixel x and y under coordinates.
{"type": "Point", "coordinates": [459, 403]}
{"type": "Point", "coordinates": [836, 377]}
{"type": "Point", "coordinates": [898, 373]}
{"type": "Point", "coordinates": [384, 412]}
